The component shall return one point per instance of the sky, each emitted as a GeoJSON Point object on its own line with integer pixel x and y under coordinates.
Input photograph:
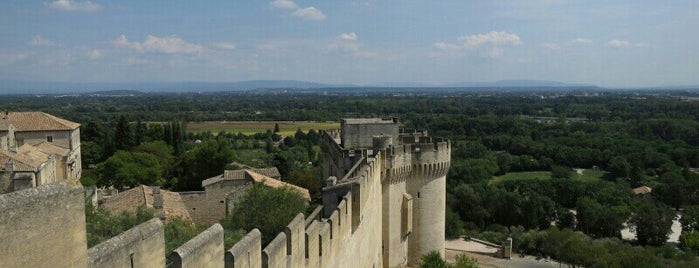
{"type": "Point", "coordinates": [610, 43]}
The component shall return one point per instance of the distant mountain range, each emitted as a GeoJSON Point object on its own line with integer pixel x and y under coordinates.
{"type": "Point", "coordinates": [42, 87]}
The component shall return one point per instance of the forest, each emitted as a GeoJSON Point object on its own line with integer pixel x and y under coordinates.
{"type": "Point", "coordinates": [554, 170]}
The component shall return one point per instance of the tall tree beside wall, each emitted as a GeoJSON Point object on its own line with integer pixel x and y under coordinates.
{"type": "Point", "coordinates": [123, 138]}
{"type": "Point", "coordinates": [268, 209]}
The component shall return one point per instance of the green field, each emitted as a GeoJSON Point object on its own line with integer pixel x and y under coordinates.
{"type": "Point", "coordinates": [286, 128]}
{"type": "Point", "coordinates": [587, 175]}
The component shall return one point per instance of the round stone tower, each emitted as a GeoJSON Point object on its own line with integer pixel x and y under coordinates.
{"type": "Point", "coordinates": [427, 185]}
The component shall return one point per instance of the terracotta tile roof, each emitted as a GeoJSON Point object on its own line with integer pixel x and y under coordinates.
{"type": "Point", "coordinates": [38, 121]}
{"type": "Point", "coordinates": [142, 195]}
{"type": "Point", "coordinates": [27, 158]}
{"type": "Point", "coordinates": [229, 175]}
{"type": "Point", "coordinates": [50, 148]}
{"type": "Point", "coordinates": [270, 182]}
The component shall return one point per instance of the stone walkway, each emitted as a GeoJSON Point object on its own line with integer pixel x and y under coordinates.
{"type": "Point", "coordinates": [483, 255]}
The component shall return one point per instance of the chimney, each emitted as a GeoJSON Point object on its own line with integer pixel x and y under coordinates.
{"type": "Point", "coordinates": [9, 166]}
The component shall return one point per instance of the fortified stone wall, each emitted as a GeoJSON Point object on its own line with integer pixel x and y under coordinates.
{"type": "Point", "coordinates": [204, 250]}
{"type": "Point", "coordinates": [141, 246]}
{"type": "Point", "coordinates": [43, 227]}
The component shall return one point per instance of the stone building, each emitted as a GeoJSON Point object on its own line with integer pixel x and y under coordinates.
{"type": "Point", "coordinates": [50, 145]}
{"type": "Point", "coordinates": [408, 169]}
{"type": "Point", "coordinates": [25, 167]}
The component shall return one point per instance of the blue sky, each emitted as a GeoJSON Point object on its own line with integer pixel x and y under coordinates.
{"type": "Point", "coordinates": [613, 43]}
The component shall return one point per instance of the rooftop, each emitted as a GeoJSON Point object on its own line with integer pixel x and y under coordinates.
{"type": "Point", "coordinates": [229, 175]}
{"type": "Point", "coordinates": [26, 158]}
{"type": "Point", "coordinates": [270, 182]}
{"type": "Point", "coordinates": [36, 121]}
{"type": "Point", "coordinates": [51, 148]}
{"type": "Point", "coordinates": [142, 195]}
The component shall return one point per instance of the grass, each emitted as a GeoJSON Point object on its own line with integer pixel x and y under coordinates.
{"type": "Point", "coordinates": [286, 128]}
{"type": "Point", "coordinates": [587, 175]}
{"type": "Point", "coordinates": [257, 158]}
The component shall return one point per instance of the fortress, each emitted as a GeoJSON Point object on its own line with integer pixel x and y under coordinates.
{"type": "Point", "coordinates": [383, 206]}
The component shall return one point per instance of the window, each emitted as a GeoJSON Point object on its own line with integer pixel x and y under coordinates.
{"type": "Point", "coordinates": [49, 138]}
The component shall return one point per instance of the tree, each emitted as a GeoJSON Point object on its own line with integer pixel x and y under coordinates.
{"type": "Point", "coordinates": [267, 209]}
{"type": "Point", "coordinates": [673, 191]}
{"type": "Point", "coordinates": [560, 172]}
{"type": "Point", "coordinates": [139, 132]}
{"type": "Point", "coordinates": [90, 153]}
{"type": "Point", "coordinates": [454, 227]}
{"type": "Point", "coordinates": [689, 241]}
{"type": "Point", "coordinates": [276, 127]}
{"type": "Point", "coordinates": [206, 160]}
{"type": "Point", "coordinates": [690, 219]}
{"type": "Point", "coordinates": [619, 167]}
{"type": "Point", "coordinates": [652, 221]}
{"type": "Point", "coordinates": [599, 220]}
{"type": "Point", "coordinates": [163, 152]}
{"type": "Point", "coordinates": [130, 169]}
{"type": "Point", "coordinates": [123, 138]}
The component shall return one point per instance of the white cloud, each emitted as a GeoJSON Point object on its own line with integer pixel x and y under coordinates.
{"type": "Point", "coordinates": [285, 4]}
{"type": "Point", "coordinates": [70, 5]}
{"type": "Point", "coordinates": [551, 46]}
{"type": "Point", "coordinates": [619, 43]}
{"type": "Point", "coordinates": [309, 13]}
{"type": "Point", "coordinates": [493, 37]}
{"type": "Point", "coordinates": [582, 41]}
{"type": "Point", "coordinates": [167, 44]}
{"type": "Point", "coordinates": [94, 54]}
{"type": "Point", "coordinates": [40, 41]}
{"type": "Point", "coordinates": [487, 44]}
{"type": "Point", "coordinates": [447, 46]}
{"type": "Point", "coordinates": [224, 45]}
{"type": "Point", "coordinates": [348, 36]}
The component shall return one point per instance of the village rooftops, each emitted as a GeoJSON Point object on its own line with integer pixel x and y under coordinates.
{"type": "Point", "coordinates": [36, 121]}
{"type": "Point", "coordinates": [26, 158]}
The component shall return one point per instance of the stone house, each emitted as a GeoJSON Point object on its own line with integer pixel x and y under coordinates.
{"type": "Point", "coordinates": [37, 148]}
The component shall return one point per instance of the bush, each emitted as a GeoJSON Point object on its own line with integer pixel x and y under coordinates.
{"type": "Point", "coordinates": [432, 260]}
{"type": "Point", "coordinates": [267, 209]}
{"type": "Point", "coordinates": [178, 231]}
{"type": "Point", "coordinates": [102, 224]}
